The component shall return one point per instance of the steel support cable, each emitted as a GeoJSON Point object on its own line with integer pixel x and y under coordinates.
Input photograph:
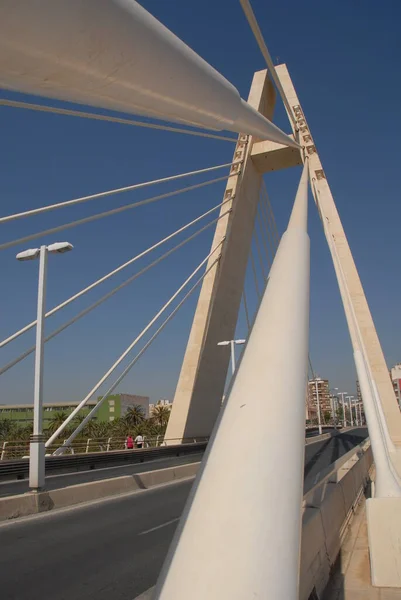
{"type": "Point", "coordinates": [129, 348]}
{"type": "Point", "coordinates": [255, 277]}
{"type": "Point", "coordinates": [263, 208]}
{"type": "Point", "coordinates": [274, 221]}
{"type": "Point", "coordinates": [245, 302]}
{"type": "Point", "coordinates": [259, 253]}
{"type": "Point", "coordinates": [262, 235]}
{"type": "Point", "coordinates": [274, 239]}
{"type": "Point", "coordinates": [134, 360]}
{"type": "Point", "coordinates": [266, 55]}
{"type": "Point", "coordinates": [109, 294]}
{"type": "Point", "coordinates": [114, 211]}
{"type": "Point", "coordinates": [272, 236]}
{"type": "Point", "coordinates": [270, 214]}
{"type": "Point", "coordinates": [96, 117]}
{"type": "Point", "coordinates": [136, 186]}
{"type": "Point", "coordinates": [271, 242]}
{"type": "Point", "coordinates": [110, 274]}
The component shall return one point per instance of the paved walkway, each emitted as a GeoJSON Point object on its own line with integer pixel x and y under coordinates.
{"type": "Point", "coordinates": [351, 579]}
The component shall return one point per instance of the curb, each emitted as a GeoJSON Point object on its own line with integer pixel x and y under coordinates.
{"type": "Point", "coordinates": [22, 505]}
{"type": "Point", "coordinates": [147, 595]}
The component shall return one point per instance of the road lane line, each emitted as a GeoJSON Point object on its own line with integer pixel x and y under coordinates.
{"type": "Point", "coordinates": [159, 526]}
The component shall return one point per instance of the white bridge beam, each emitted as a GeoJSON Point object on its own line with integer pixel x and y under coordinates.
{"type": "Point", "coordinates": [115, 55]}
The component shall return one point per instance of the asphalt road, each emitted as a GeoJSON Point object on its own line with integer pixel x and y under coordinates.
{"type": "Point", "coordinates": [319, 455]}
{"type": "Point", "coordinates": [112, 549]}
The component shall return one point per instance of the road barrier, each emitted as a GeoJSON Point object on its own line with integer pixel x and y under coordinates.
{"type": "Point", "coordinates": [19, 469]}
{"type": "Point", "coordinates": [12, 507]}
{"type": "Point", "coordinates": [328, 508]}
{"type": "Point", "coordinates": [14, 449]}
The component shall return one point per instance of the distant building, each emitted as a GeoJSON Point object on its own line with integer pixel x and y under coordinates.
{"type": "Point", "coordinates": [118, 405]}
{"type": "Point", "coordinates": [162, 402]}
{"type": "Point", "coordinates": [23, 413]}
{"type": "Point", "coordinates": [358, 392]}
{"type": "Point", "coordinates": [395, 375]}
{"type": "Point", "coordinates": [310, 411]}
{"type": "Point", "coordinates": [324, 397]}
{"type": "Point", "coordinates": [113, 407]}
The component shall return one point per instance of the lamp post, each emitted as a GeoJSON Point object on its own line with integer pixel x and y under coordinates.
{"type": "Point", "coordinates": [350, 398]}
{"type": "Point", "coordinates": [37, 441]}
{"type": "Point", "coordinates": [358, 416]}
{"type": "Point", "coordinates": [232, 343]}
{"type": "Point", "coordinates": [319, 416]}
{"type": "Point", "coordinates": [360, 413]}
{"type": "Point", "coordinates": [342, 394]}
{"type": "Point", "coordinates": [334, 394]}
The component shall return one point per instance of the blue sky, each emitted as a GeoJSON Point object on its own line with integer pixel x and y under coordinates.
{"type": "Point", "coordinates": [344, 60]}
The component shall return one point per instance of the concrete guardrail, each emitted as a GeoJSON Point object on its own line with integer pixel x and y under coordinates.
{"type": "Point", "coordinates": [30, 503]}
{"type": "Point", "coordinates": [328, 508]}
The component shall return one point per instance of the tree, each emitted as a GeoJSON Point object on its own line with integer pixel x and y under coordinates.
{"type": "Point", "coordinates": [8, 429]}
{"type": "Point", "coordinates": [161, 415]}
{"type": "Point", "coordinates": [327, 416]}
{"type": "Point", "coordinates": [57, 419]}
{"type": "Point", "coordinates": [135, 415]}
{"type": "Point", "coordinates": [99, 430]}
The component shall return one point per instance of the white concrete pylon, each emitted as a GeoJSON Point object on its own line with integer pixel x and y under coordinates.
{"type": "Point", "coordinates": [116, 55]}
{"type": "Point", "coordinates": [248, 494]}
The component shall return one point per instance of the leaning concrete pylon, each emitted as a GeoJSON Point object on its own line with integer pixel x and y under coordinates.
{"type": "Point", "coordinates": [115, 55]}
{"type": "Point", "coordinates": [240, 532]}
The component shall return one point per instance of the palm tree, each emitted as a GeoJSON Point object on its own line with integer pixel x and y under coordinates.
{"type": "Point", "coordinates": [161, 415]}
{"type": "Point", "coordinates": [57, 419]}
{"type": "Point", "coordinates": [100, 430]}
{"type": "Point", "coordinates": [135, 415]}
{"type": "Point", "coordinates": [8, 429]}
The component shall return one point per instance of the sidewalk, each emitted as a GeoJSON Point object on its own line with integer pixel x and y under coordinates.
{"type": "Point", "coordinates": [351, 577]}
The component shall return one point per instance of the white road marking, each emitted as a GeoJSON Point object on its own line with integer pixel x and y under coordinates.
{"type": "Point", "coordinates": [159, 526]}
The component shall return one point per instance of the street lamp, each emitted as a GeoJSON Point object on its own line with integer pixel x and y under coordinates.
{"type": "Point", "coordinates": [350, 398]}
{"type": "Point", "coordinates": [232, 343]}
{"type": "Point", "coordinates": [37, 441]}
{"type": "Point", "coordinates": [342, 394]}
{"type": "Point", "coordinates": [333, 395]}
{"type": "Point", "coordinates": [319, 416]}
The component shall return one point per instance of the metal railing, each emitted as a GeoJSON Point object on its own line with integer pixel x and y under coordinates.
{"type": "Point", "coordinates": [70, 463]}
{"type": "Point", "coordinates": [17, 449]}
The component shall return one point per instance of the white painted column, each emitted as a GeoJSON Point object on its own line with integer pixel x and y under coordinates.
{"type": "Point", "coordinates": [37, 442]}
{"type": "Point", "coordinates": [239, 536]}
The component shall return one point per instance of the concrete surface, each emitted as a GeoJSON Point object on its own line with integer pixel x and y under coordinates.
{"type": "Point", "coordinates": [384, 534]}
{"type": "Point", "coordinates": [351, 579]}
{"type": "Point", "coordinates": [146, 595]}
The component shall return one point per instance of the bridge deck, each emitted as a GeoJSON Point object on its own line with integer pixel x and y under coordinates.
{"type": "Point", "coordinates": [112, 548]}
